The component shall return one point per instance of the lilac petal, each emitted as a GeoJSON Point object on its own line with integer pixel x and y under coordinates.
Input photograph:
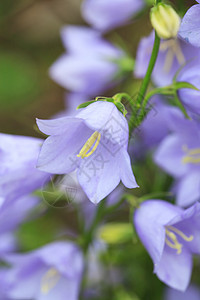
{"type": "Point", "coordinates": [87, 42]}
{"type": "Point", "coordinates": [190, 26]}
{"type": "Point", "coordinates": [192, 293]}
{"type": "Point", "coordinates": [64, 289]}
{"type": "Point", "coordinates": [169, 156]}
{"type": "Point", "coordinates": [66, 250]}
{"type": "Point", "coordinates": [126, 172]}
{"type": "Point", "coordinates": [27, 287]}
{"type": "Point", "coordinates": [58, 126]}
{"type": "Point", "coordinates": [99, 175]}
{"type": "Point", "coordinates": [189, 223]}
{"type": "Point", "coordinates": [175, 269]}
{"type": "Point", "coordinates": [188, 190]}
{"type": "Point", "coordinates": [59, 153]}
{"type": "Point", "coordinates": [110, 122]}
{"type": "Point", "coordinates": [149, 220]}
{"type": "Point", "coordinates": [79, 74]}
{"type": "Point", "coordinates": [104, 15]}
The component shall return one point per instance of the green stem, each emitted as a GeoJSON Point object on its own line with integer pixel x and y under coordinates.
{"type": "Point", "coordinates": [145, 82]}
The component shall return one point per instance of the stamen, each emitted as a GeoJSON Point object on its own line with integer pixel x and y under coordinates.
{"type": "Point", "coordinates": [49, 280]}
{"type": "Point", "coordinates": [193, 155]}
{"type": "Point", "coordinates": [181, 234]}
{"type": "Point", "coordinates": [175, 244]}
{"type": "Point", "coordinates": [93, 141]}
{"type": "Point", "coordinates": [174, 50]}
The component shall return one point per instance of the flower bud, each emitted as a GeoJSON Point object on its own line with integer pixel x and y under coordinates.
{"type": "Point", "coordinates": [114, 233]}
{"type": "Point", "coordinates": [165, 21]}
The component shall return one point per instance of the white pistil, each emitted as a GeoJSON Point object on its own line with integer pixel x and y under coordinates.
{"type": "Point", "coordinates": [91, 145]}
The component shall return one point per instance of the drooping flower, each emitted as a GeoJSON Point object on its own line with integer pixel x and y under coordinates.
{"type": "Point", "coordinates": [173, 54]}
{"type": "Point", "coordinates": [192, 293]}
{"type": "Point", "coordinates": [51, 272]}
{"type": "Point", "coordinates": [91, 63]}
{"type": "Point", "coordinates": [190, 26]}
{"type": "Point", "coordinates": [18, 173]}
{"type": "Point", "coordinates": [171, 236]}
{"type": "Point", "coordinates": [94, 143]}
{"type": "Point", "coordinates": [190, 97]}
{"type": "Point", "coordinates": [105, 15]}
{"type": "Point", "coordinates": [179, 155]}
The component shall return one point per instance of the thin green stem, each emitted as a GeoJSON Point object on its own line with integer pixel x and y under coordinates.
{"type": "Point", "coordinates": [141, 95]}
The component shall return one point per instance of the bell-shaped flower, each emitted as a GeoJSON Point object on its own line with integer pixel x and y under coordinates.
{"type": "Point", "coordinates": [171, 236]}
{"type": "Point", "coordinates": [190, 97]}
{"type": "Point", "coordinates": [52, 272]}
{"type": "Point", "coordinates": [179, 155]}
{"type": "Point", "coordinates": [18, 173]}
{"type": "Point", "coordinates": [173, 54]}
{"type": "Point", "coordinates": [94, 142]}
{"type": "Point", "coordinates": [90, 65]}
{"type": "Point", "coordinates": [105, 15]}
{"type": "Point", "coordinates": [190, 26]}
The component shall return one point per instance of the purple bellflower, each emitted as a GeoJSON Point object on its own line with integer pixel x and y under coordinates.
{"type": "Point", "coordinates": [173, 54]}
{"type": "Point", "coordinates": [170, 235]}
{"type": "Point", "coordinates": [18, 174]}
{"type": "Point", "coordinates": [90, 64]}
{"type": "Point", "coordinates": [190, 97]}
{"type": "Point", "coordinates": [190, 25]}
{"type": "Point", "coordinates": [105, 15]}
{"type": "Point", "coordinates": [52, 272]}
{"type": "Point", "coordinates": [179, 155]}
{"type": "Point", "coordinates": [192, 293]}
{"type": "Point", "coordinates": [94, 143]}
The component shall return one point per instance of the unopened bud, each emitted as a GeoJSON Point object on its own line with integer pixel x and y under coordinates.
{"type": "Point", "coordinates": [165, 21]}
{"type": "Point", "coordinates": [114, 233]}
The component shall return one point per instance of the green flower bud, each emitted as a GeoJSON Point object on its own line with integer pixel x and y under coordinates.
{"type": "Point", "coordinates": [114, 233]}
{"type": "Point", "coordinates": [165, 21]}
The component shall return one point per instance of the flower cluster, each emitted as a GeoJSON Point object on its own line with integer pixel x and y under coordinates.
{"type": "Point", "coordinates": [92, 158]}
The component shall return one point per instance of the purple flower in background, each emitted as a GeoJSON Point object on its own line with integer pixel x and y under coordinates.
{"type": "Point", "coordinates": [52, 272]}
{"type": "Point", "coordinates": [105, 15]}
{"type": "Point", "coordinates": [189, 97]}
{"type": "Point", "coordinates": [90, 64]}
{"type": "Point", "coordinates": [8, 244]}
{"type": "Point", "coordinates": [192, 293]}
{"type": "Point", "coordinates": [94, 143]}
{"type": "Point", "coordinates": [4, 283]}
{"type": "Point", "coordinates": [18, 173]}
{"type": "Point", "coordinates": [179, 155]}
{"type": "Point", "coordinates": [173, 54]}
{"type": "Point", "coordinates": [153, 129]}
{"type": "Point", "coordinates": [170, 235]}
{"type": "Point", "coordinates": [190, 26]}
{"type": "Point", "coordinates": [13, 214]}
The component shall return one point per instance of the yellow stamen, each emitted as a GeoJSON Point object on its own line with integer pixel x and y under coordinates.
{"type": "Point", "coordinates": [49, 280]}
{"type": "Point", "coordinates": [175, 244]}
{"type": "Point", "coordinates": [173, 51]}
{"type": "Point", "coordinates": [93, 141]}
{"type": "Point", "coordinates": [193, 155]}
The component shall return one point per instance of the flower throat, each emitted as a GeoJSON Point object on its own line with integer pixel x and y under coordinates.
{"type": "Point", "coordinates": [90, 146]}
{"type": "Point", "coordinates": [171, 238]}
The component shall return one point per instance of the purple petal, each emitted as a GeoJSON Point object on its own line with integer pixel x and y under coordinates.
{"type": "Point", "coordinates": [149, 220]}
{"type": "Point", "coordinates": [190, 26]}
{"type": "Point", "coordinates": [175, 269]}
{"type": "Point", "coordinates": [126, 172]}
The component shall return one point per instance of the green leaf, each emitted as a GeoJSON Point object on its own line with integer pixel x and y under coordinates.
{"type": "Point", "coordinates": [85, 104]}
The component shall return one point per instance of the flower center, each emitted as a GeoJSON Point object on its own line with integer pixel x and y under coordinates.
{"type": "Point", "coordinates": [192, 155]}
{"type": "Point", "coordinates": [49, 280]}
{"type": "Point", "coordinates": [173, 49]}
{"type": "Point", "coordinates": [91, 145]}
{"type": "Point", "coordinates": [171, 238]}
